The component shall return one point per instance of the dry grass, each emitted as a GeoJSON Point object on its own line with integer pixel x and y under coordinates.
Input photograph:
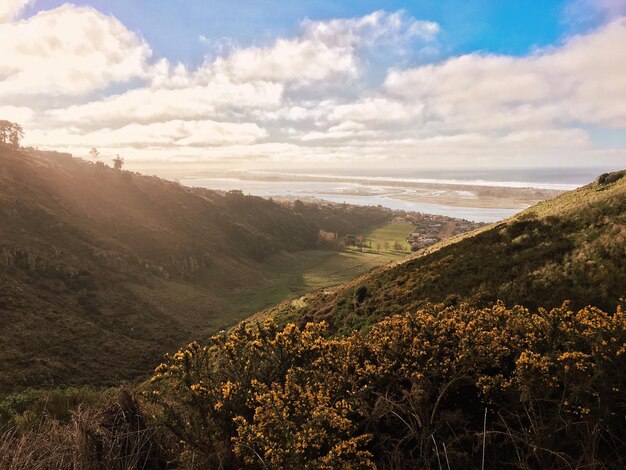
{"type": "Point", "coordinates": [115, 437]}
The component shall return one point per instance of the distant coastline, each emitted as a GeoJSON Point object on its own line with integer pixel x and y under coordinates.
{"type": "Point", "coordinates": [409, 180]}
{"type": "Point", "coordinates": [475, 200]}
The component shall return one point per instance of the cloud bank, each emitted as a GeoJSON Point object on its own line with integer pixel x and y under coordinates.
{"type": "Point", "coordinates": [77, 78]}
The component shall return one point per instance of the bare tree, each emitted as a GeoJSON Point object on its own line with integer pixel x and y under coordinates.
{"type": "Point", "coordinates": [94, 153]}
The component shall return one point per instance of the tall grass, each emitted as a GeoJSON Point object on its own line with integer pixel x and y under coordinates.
{"type": "Point", "coordinates": [115, 436]}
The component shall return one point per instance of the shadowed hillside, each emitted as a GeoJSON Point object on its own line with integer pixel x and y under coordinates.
{"type": "Point", "coordinates": [570, 247]}
{"type": "Point", "coordinates": [101, 270]}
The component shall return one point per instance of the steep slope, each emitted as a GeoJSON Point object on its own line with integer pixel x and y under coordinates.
{"type": "Point", "coordinates": [572, 247]}
{"type": "Point", "coordinates": [101, 271]}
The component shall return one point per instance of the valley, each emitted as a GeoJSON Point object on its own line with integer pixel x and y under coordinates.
{"type": "Point", "coordinates": [102, 271]}
{"type": "Point", "coordinates": [312, 235]}
{"type": "Point", "coordinates": [366, 318]}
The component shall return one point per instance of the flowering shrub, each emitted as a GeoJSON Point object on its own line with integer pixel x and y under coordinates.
{"type": "Point", "coordinates": [436, 387]}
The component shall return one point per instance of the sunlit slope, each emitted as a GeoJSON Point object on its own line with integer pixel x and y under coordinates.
{"type": "Point", "coordinates": [571, 247]}
{"type": "Point", "coordinates": [102, 271]}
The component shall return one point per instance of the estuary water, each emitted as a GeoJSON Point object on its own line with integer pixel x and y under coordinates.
{"type": "Point", "coordinates": [435, 192]}
{"type": "Point", "coordinates": [357, 193]}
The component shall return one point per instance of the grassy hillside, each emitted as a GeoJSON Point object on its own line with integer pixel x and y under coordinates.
{"type": "Point", "coordinates": [443, 386]}
{"type": "Point", "coordinates": [101, 271]}
{"type": "Point", "coordinates": [571, 247]}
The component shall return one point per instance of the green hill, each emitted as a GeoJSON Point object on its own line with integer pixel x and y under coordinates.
{"type": "Point", "coordinates": [465, 383]}
{"type": "Point", "coordinates": [572, 247]}
{"type": "Point", "coordinates": [101, 271]}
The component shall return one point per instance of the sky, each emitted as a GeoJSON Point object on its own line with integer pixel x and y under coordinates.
{"type": "Point", "coordinates": [236, 84]}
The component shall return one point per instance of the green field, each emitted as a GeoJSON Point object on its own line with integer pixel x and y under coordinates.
{"type": "Point", "coordinates": [290, 275]}
{"type": "Point", "coordinates": [384, 240]}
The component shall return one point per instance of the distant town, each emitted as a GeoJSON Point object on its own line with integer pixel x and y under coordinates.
{"type": "Point", "coordinates": [406, 232]}
{"type": "Point", "coordinates": [431, 229]}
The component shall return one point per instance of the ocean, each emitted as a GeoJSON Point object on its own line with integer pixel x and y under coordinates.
{"type": "Point", "coordinates": [400, 190]}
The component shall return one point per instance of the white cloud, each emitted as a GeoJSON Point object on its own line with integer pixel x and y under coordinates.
{"type": "Point", "coordinates": [175, 133]}
{"type": "Point", "coordinates": [325, 50]}
{"type": "Point", "coordinates": [285, 113]}
{"type": "Point", "coordinates": [68, 51]}
{"type": "Point", "coordinates": [584, 80]}
{"type": "Point", "coordinates": [248, 82]}
{"type": "Point", "coordinates": [518, 149]}
{"type": "Point", "coordinates": [289, 60]}
{"type": "Point", "coordinates": [11, 9]}
{"type": "Point", "coordinates": [20, 114]}
{"type": "Point", "coordinates": [309, 99]}
{"type": "Point", "coordinates": [146, 105]}
{"type": "Point", "coordinates": [347, 130]}
{"type": "Point", "coordinates": [589, 76]}
{"type": "Point", "coordinates": [369, 29]}
{"type": "Point", "coordinates": [376, 110]}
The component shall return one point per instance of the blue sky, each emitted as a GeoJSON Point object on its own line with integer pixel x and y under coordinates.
{"type": "Point", "coordinates": [275, 84]}
{"type": "Point", "coordinates": [173, 27]}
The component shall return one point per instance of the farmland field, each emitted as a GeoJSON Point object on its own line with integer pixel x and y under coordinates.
{"type": "Point", "coordinates": [290, 275]}
{"type": "Point", "coordinates": [389, 239]}
{"type": "Point", "coordinates": [293, 274]}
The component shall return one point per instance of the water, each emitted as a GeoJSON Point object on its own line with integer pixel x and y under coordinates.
{"type": "Point", "coordinates": [453, 179]}
{"type": "Point", "coordinates": [475, 214]}
{"type": "Point", "coordinates": [565, 178]}
{"type": "Point", "coordinates": [368, 194]}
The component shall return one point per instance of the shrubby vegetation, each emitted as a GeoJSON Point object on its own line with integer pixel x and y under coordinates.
{"type": "Point", "coordinates": [415, 392]}
{"type": "Point", "coordinates": [443, 387]}
{"type": "Point", "coordinates": [432, 389]}
{"type": "Point", "coordinates": [23, 411]}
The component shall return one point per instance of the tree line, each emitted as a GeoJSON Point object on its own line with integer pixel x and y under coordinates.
{"type": "Point", "coordinates": [11, 134]}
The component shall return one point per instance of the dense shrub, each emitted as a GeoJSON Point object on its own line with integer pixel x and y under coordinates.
{"type": "Point", "coordinates": [428, 389]}
{"type": "Point", "coordinates": [608, 178]}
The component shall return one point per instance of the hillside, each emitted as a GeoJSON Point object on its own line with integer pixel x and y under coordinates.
{"type": "Point", "coordinates": [101, 271]}
{"type": "Point", "coordinates": [571, 247]}
{"type": "Point", "coordinates": [466, 383]}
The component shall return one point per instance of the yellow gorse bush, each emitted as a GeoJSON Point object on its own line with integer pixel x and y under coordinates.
{"type": "Point", "coordinates": [410, 393]}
